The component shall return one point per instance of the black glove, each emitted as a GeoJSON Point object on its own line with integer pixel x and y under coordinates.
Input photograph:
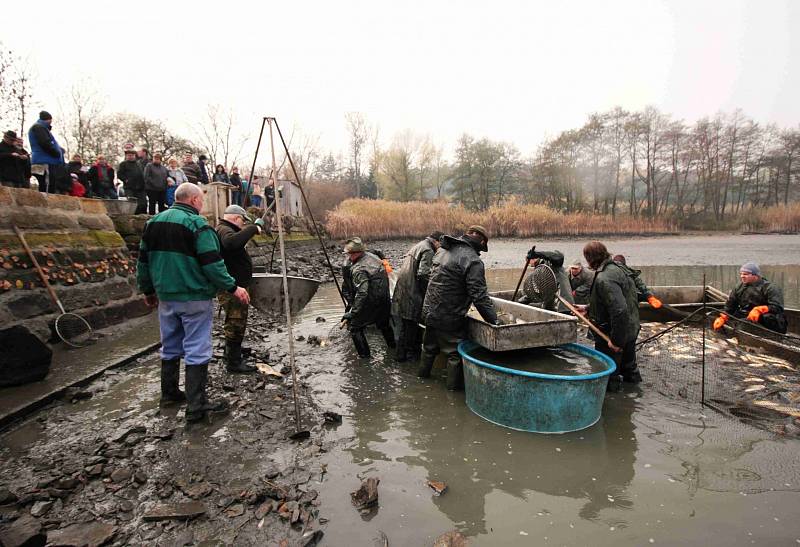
{"type": "Point", "coordinates": [347, 316]}
{"type": "Point", "coordinates": [532, 253]}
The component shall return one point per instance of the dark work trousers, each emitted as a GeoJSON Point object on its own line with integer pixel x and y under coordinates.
{"type": "Point", "coordinates": [436, 341]}
{"type": "Point", "coordinates": [625, 361]}
{"type": "Point", "coordinates": [360, 339]}
{"type": "Point", "coordinates": [409, 340]}
{"type": "Point", "coordinates": [141, 200]}
{"type": "Point", "coordinates": [156, 197]}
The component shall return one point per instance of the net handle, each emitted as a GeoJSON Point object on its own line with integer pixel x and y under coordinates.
{"type": "Point", "coordinates": [39, 269]}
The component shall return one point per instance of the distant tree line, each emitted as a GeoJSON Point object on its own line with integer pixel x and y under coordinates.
{"type": "Point", "coordinates": [639, 163]}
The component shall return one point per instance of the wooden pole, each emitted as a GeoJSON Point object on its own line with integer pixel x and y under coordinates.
{"type": "Point", "coordinates": [286, 302]}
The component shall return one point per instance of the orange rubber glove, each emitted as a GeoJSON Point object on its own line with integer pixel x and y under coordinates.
{"type": "Point", "coordinates": [720, 321]}
{"type": "Point", "coordinates": [755, 313]}
{"type": "Point", "coordinates": [387, 266]}
{"type": "Point", "coordinates": [655, 302]}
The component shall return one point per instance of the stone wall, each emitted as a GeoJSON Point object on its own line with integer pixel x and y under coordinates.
{"type": "Point", "coordinates": [85, 258]}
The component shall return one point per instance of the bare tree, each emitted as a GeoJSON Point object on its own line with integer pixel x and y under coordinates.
{"type": "Point", "coordinates": [84, 110]}
{"type": "Point", "coordinates": [217, 133]}
{"type": "Point", "coordinates": [358, 131]}
{"type": "Point", "coordinates": [16, 85]}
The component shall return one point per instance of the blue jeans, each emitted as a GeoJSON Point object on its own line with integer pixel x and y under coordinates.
{"type": "Point", "coordinates": [236, 198]}
{"type": "Point", "coordinates": [186, 330]}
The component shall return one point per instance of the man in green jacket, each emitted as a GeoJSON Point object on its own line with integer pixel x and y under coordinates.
{"type": "Point", "coordinates": [180, 270]}
{"type": "Point", "coordinates": [614, 308]}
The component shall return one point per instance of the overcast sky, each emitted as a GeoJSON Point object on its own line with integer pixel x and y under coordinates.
{"type": "Point", "coordinates": [515, 71]}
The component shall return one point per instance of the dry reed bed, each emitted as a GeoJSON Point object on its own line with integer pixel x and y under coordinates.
{"type": "Point", "coordinates": [380, 219]}
{"type": "Point", "coordinates": [783, 219]}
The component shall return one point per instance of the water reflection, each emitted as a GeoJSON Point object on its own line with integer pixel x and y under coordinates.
{"type": "Point", "coordinates": [397, 418]}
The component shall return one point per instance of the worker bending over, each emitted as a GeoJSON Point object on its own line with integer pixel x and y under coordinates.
{"type": "Point", "coordinates": [234, 233]}
{"type": "Point", "coordinates": [555, 260]}
{"type": "Point", "coordinates": [365, 287]}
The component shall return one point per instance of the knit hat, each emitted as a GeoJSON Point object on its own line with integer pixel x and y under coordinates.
{"type": "Point", "coordinates": [482, 231]}
{"type": "Point", "coordinates": [354, 245]}
{"type": "Point", "coordinates": [751, 268]}
{"type": "Point", "coordinates": [45, 115]}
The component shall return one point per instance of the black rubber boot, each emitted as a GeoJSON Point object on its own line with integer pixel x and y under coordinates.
{"type": "Point", "coordinates": [170, 376]}
{"type": "Point", "coordinates": [401, 353]}
{"type": "Point", "coordinates": [199, 406]}
{"type": "Point", "coordinates": [615, 383]}
{"type": "Point", "coordinates": [425, 365]}
{"type": "Point", "coordinates": [388, 335]}
{"type": "Point", "coordinates": [632, 375]}
{"type": "Point", "coordinates": [455, 374]}
{"type": "Point", "coordinates": [360, 342]}
{"type": "Point", "coordinates": [233, 359]}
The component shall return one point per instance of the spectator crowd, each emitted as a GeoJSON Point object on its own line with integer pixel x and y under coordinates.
{"type": "Point", "coordinates": [148, 180]}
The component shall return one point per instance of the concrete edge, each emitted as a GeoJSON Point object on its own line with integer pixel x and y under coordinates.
{"type": "Point", "coordinates": [19, 413]}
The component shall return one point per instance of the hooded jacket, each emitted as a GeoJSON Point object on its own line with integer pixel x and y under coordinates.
{"type": "Point", "coordinates": [613, 305]}
{"type": "Point", "coordinates": [412, 280]}
{"type": "Point", "coordinates": [457, 281]}
{"type": "Point", "coordinates": [642, 290]}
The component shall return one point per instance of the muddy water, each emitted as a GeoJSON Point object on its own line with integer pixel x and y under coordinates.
{"type": "Point", "coordinates": [651, 471]}
{"type": "Point", "coordinates": [541, 361]}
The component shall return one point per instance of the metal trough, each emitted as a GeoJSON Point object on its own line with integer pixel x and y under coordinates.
{"type": "Point", "coordinates": [534, 327]}
{"type": "Point", "coordinates": [266, 292]}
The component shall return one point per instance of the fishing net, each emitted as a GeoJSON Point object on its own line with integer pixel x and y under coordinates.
{"type": "Point", "coordinates": [716, 369]}
{"type": "Point", "coordinates": [73, 330]}
{"type": "Point", "coordinates": [542, 286]}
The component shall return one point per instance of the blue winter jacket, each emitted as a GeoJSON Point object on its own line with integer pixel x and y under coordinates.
{"type": "Point", "coordinates": [44, 147]}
